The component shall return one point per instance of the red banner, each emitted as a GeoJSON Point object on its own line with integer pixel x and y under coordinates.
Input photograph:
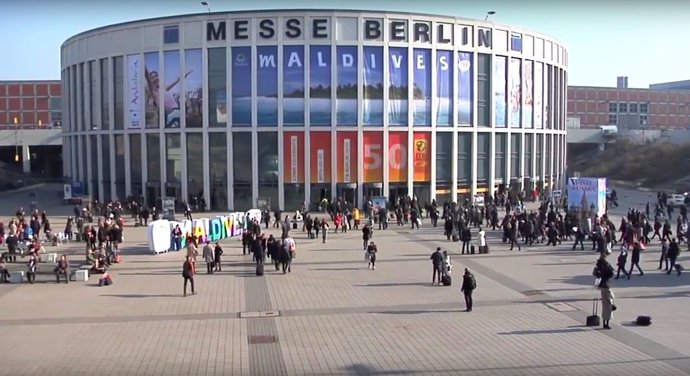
{"type": "Point", "coordinates": [347, 167]}
{"type": "Point", "coordinates": [422, 156]}
{"type": "Point", "coordinates": [373, 157]}
{"type": "Point", "coordinates": [293, 157]}
{"type": "Point", "coordinates": [397, 157]}
{"type": "Point", "coordinates": [320, 154]}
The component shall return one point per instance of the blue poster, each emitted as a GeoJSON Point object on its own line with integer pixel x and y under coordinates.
{"type": "Point", "coordinates": [464, 88]}
{"type": "Point", "coordinates": [515, 97]}
{"type": "Point", "coordinates": [293, 85]}
{"type": "Point", "coordinates": [398, 86]}
{"type": "Point", "coordinates": [320, 85]}
{"type": "Point", "coordinates": [421, 81]}
{"type": "Point", "coordinates": [444, 88]}
{"type": "Point", "coordinates": [267, 86]}
{"type": "Point", "coordinates": [346, 91]}
{"type": "Point", "coordinates": [241, 86]}
{"type": "Point", "coordinates": [500, 91]}
{"type": "Point", "coordinates": [372, 87]}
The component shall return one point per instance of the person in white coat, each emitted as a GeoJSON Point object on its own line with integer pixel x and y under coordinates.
{"type": "Point", "coordinates": [447, 266]}
{"type": "Point", "coordinates": [482, 240]}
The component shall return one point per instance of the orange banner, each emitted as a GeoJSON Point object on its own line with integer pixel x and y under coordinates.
{"type": "Point", "coordinates": [347, 157]}
{"type": "Point", "coordinates": [320, 154]}
{"type": "Point", "coordinates": [293, 157]}
{"type": "Point", "coordinates": [373, 157]}
{"type": "Point", "coordinates": [397, 157]}
{"type": "Point", "coordinates": [422, 156]}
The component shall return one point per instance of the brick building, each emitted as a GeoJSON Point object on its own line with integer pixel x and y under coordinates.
{"type": "Point", "coordinates": [35, 104]}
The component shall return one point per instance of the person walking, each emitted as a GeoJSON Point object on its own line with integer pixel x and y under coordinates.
{"type": "Point", "coordinates": [372, 250]}
{"type": "Point", "coordinates": [663, 258]}
{"type": "Point", "coordinates": [635, 260]}
{"type": "Point", "coordinates": [366, 236]}
{"type": "Point", "coordinates": [188, 275]}
{"type": "Point", "coordinates": [469, 284]}
{"type": "Point", "coordinates": [673, 253]}
{"type": "Point", "coordinates": [622, 260]}
{"type": "Point", "coordinates": [436, 263]}
{"type": "Point", "coordinates": [207, 253]}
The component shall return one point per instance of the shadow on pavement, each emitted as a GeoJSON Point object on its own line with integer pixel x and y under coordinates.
{"type": "Point", "coordinates": [141, 296]}
{"type": "Point", "coordinates": [394, 284]}
{"type": "Point", "coordinates": [335, 269]}
{"type": "Point", "coordinates": [652, 278]}
{"type": "Point", "coordinates": [570, 329]}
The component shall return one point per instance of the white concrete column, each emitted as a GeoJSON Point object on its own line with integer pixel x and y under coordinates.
{"type": "Point", "coordinates": [334, 163]}
{"type": "Point", "coordinates": [183, 162]}
{"type": "Point", "coordinates": [99, 152]}
{"type": "Point", "coordinates": [255, 163]}
{"type": "Point", "coordinates": [307, 168]}
{"type": "Point", "coordinates": [111, 158]}
{"type": "Point", "coordinates": [491, 181]}
{"type": "Point", "coordinates": [360, 168]}
{"type": "Point", "coordinates": [508, 159]}
{"type": "Point", "coordinates": [455, 148]}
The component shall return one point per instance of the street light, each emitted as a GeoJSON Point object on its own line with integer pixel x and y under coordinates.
{"type": "Point", "coordinates": [489, 14]}
{"type": "Point", "coordinates": [208, 7]}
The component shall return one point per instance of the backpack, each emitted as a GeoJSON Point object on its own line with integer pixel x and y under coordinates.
{"type": "Point", "coordinates": [473, 284]}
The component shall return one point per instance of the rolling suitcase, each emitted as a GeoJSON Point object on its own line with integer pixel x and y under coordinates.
{"type": "Point", "coordinates": [446, 280]}
{"type": "Point", "coordinates": [593, 319]}
{"type": "Point", "coordinates": [456, 237]}
{"type": "Point", "coordinates": [472, 250]}
{"type": "Point", "coordinates": [643, 321]}
{"type": "Point", "coordinates": [260, 270]}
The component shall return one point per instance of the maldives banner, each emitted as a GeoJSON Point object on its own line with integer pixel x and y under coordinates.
{"type": "Point", "coordinates": [293, 85]}
{"type": "Point", "coordinates": [527, 94]}
{"type": "Point", "coordinates": [320, 85]}
{"type": "Point", "coordinates": [422, 156]}
{"type": "Point", "coordinates": [241, 86]}
{"type": "Point", "coordinates": [372, 86]}
{"type": "Point", "coordinates": [515, 100]}
{"type": "Point", "coordinates": [151, 69]}
{"type": "Point", "coordinates": [464, 103]}
{"type": "Point", "coordinates": [373, 157]}
{"type": "Point", "coordinates": [421, 80]}
{"type": "Point", "coordinates": [134, 93]}
{"type": "Point", "coordinates": [347, 157]}
{"type": "Point", "coordinates": [267, 86]}
{"type": "Point", "coordinates": [538, 95]}
{"type": "Point", "coordinates": [320, 154]}
{"type": "Point", "coordinates": [499, 91]}
{"type": "Point", "coordinates": [172, 87]}
{"type": "Point", "coordinates": [293, 157]}
{"type": "Point", "coordinates": [397, 156]}
{"type": "Point", "coordinates": [346, 90]}
{"type": "Point", "coordinates": [193, 89]}
{"type": "Point", "coordinates": [444, 88]}
{"type": "Point", "coordinates": [397, 86]}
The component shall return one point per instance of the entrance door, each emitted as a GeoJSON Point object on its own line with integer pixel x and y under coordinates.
{"type": "Point", "coordinates": [396, 191]}
{"type": "Point", "coordinates": [372, 192]}
{"type": "Point", "coordinates": [174, 190]}
{"type": "Point", "coordinates": [348, 194]}
{"type": "Point", "coordinates": [153, 193]}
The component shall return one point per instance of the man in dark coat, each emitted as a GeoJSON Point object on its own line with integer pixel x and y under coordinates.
{"type": "Point", "coordinates": [469, 284]}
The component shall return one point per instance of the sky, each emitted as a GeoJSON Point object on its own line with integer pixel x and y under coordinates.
{"type": "Point", "coordinates": [605, 38]}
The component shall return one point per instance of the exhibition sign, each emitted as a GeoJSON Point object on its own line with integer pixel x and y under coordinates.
{"type": "Point", "coordinates": [587, 194]}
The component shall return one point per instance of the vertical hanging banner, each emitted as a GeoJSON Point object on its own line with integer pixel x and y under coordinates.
{"type": "Point", "coordinates": [171, 98]}
{"type": "Point", "coordinates": [547, 93]}
{"type": "Point", "coordinates": [398, 86]}
{"type": "Point", "coordinates": [293, 157]}
{"type": "Point", "coordinates": [372, 86]}
{"type": "Point", "coordinates": [421, 82]}
{"type": "Point", "coordinates": [515, 99]}
{"type": "Point", "coordinates": [373, 157]}
{"type": "Point", "coordinates": [397, 156]}
{"type": "Point", "coordinates": [320, 157]}
{"type": "Point", "coordinates": [241, 86]}
{"type": "Point", "coordinates": [346, 91]}
{"type": "Point", "coordinates": [293, 85]}
{"type": "Point", "coordinates": [134, 93]}
{"type": "Point", "coordinates": [499, 91]}
{"type": "Point", "coordinates": [152, 76]}
{"type": "Point", "coordinates": [347, 157]}
{"type": "Point", "coordinates": [527, 95]}
{"type": "Point", "coordinates": [422, 156]}
{"type": "Point", "coordinates": [193, 88]}
{"type": "Point", "coordinates": [464, 103]}
{"type": "Point", "coordinates": [267, 86]}
{"type": "Point", "coordinates": [444, 88]}
{"type": "Point", "coordinates": [320, 85]}
{"type": "Point", "coordinates": [538, 93]}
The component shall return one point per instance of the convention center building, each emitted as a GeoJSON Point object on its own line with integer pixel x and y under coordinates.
{"type": "Point", "coordinates": [287, 107]}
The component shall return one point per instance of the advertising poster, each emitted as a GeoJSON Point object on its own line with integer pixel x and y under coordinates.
{"type": "Point", "coordinates": [320, 85]}
{"type": "Point", "coordinates": [347, 157]}
{"type": "Point", "coordinates": [241, 86]}
{"type": "Point", "coordinates": [267, 86]}
{"type": "Point", "coordinates": [320, 154]}
{"type": "Point", "coordinates": [373, 157]}
{"type": "Point", "coordinates": [372, 87]}
{"type": "Point", "coordinates": [587, 194]}
{"type": "Point", "coordinates": [422, 156]}
{"type": "Point", "coordinates": [499, 91]}
{"type": "Point", "coordinates": [293, 85]}
{"type": "Point", "coordinates": [538, 93]}
{"type": "Point", "coordinates": [151, 97]}
{"type": "Point", "coordinates": [464, 88]}
{"type": "Point", "coordinates": [293, 157]}
{"type": "Point", "coordinates": [346, 90]}
{"type": "Point", "coordinates": [193, 87]}
{"type": "Point", "coordinates": [397, 86]}
{"type": "Point", "coordinates": [527, 95]}
{"type": "Point", "coordinates": [171, 97]}
{"type": "Point", "coordinates": [421, 91]}
{"type": "Point", "coordinates": [546, 93]}
{"type": "Point", "coordinates": [515, 99]}
{"type": "Point", "coordinates": [444, 88]}
{"type": "Point", "coordinates": [397, 156]}
{"type": "Point", "coordinates": [135, 97]}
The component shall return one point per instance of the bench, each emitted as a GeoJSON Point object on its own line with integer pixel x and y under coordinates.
{"type": "Point", "coordinates": [81, 274]}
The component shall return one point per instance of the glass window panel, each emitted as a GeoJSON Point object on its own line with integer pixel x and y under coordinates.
{"type": "Point", "coordinates": [242, 170]}
{"type": "Point", "coordinates": [120, 167]}
{"type": "Point", "coordinates": [268, 166]}
{"type": "Point", "coordinates": [105, 94]}
{"type": "Point", "coordinates": [173, 158]}
{"type": "Point", "coordinates": [464, 158]}
{"type": "Point", "coordinates": [153, 157]}
{"type": "Point", "coordinates": [118, 72]}
{"type": "Point", "coordinates": [529, 147]}
{"type": "Point", "coordinates": [105, 151]}
{"type": "Point", "coordinates": [483, 156]}
{"type": "Point", "coordinates": [444, 161]}
{"type": "Point", "coordinates": [218, 167]}
{"type": "Point", "coordinates": [93, 80]}
{"type": "Point", "coordinates": [514, 155]}
{"type": "Point", "coordinates": [217, 87]}
{"type": "Point", "coordinates": [195, 166]}
{"type": "Point", "coordinates": [135, 163]}
{"type": "Point", "coordinates": [484, 90]}
{"type": "Point", "coordinates": [538, 155]}
{"type": "Point", "coordinates": [500, 158]}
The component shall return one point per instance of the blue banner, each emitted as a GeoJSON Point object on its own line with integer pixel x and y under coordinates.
{"type": "Point", "coordinates": [346, 91]}
{"type": "Point", "coordinates": [372, 87]}
{"type": "Point", "coordinates": [444, 88]}
{"type": "Point", "coordinates": [421, 92]}
{"type": "Point", "coordinates": [241, 86]}
{"type": "Point", "coordinates": [464, 88]}
{"type": "Point", "coordinates": [293, 85]}
{"type": "Point", "coordinates": [515, 98]}
{"type": "Point", "coordinates": [267, 86]}
{"type": "Point", "coordinates": [499, 91]}
{"type": "Point", "coordinates": [398, 86]}
{"type": "Point", "coordinates": [320, 85]}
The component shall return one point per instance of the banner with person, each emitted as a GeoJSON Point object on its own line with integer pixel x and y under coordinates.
{"type": "Point", "coordinates": [171, 95]}
{"type": "Point", "coordinates": [515, 93]}
{"type": "Point", "coordinates": [135, 96]}
{"type": "Point", "coordinates": [152, 93]}
{"type": "Point", "coordinates": [499, 85]}
{"type": "Point", "coordinates": [193, 88]}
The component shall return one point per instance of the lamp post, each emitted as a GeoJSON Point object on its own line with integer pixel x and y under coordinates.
{"type": "Point", "coordinates": [489, 14]}
{"type": "Point", "coordinates": [16, 141]}
{"type": "Point", "coordinates": [208, 7]}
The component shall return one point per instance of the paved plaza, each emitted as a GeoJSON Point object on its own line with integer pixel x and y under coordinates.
{"type": "Point", "coordinates": [333, 316]}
